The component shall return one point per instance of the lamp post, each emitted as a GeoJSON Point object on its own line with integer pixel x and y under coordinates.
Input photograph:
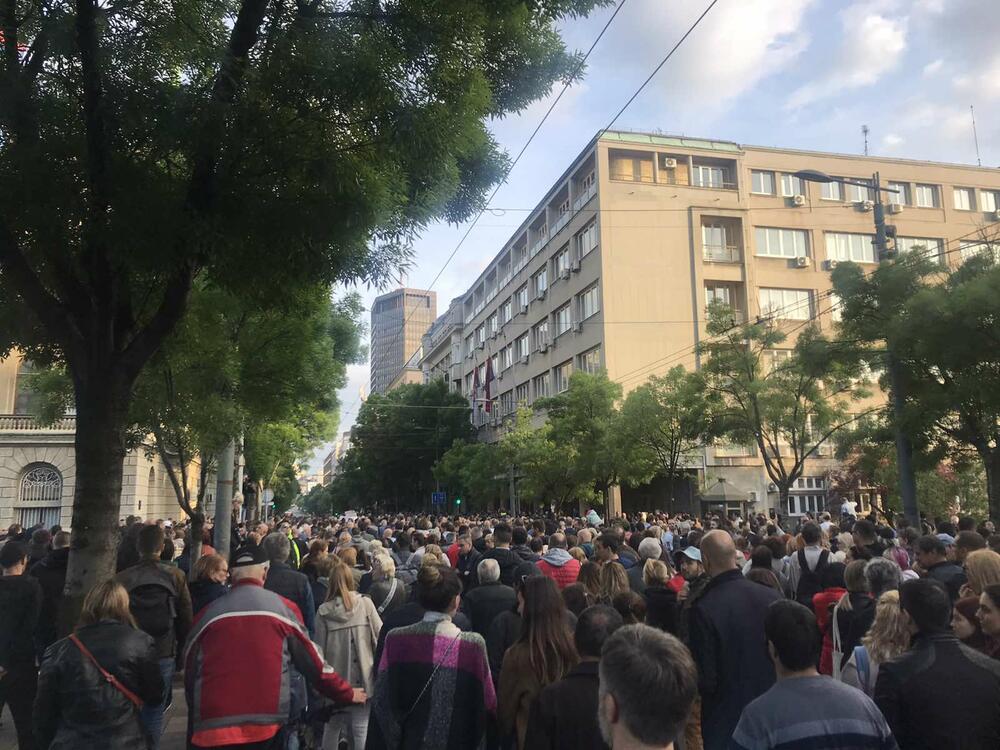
{"type": "Point", "coordinates": [885, 248]}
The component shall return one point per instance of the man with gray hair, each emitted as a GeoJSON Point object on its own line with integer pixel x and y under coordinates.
{"type": "Point", "coordinates": [282, 579]}
{"type": "Point", "coordinates": [649, 549]}
{"type": "Point", "coordinates": [648, 683]}
{"type": "Point", "coordinates": [558, 564]}
{"type": "Point", "coordinates": [490, 598]}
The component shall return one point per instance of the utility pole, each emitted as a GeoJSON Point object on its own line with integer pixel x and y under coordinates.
{"type": "Point", "coordinates": [224, 499]}
{"type": "Point", "coordinates": [885, 248]}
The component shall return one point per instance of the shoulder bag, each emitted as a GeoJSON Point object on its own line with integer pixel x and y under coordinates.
{"type": "Point", "coordinates": [135, 699]}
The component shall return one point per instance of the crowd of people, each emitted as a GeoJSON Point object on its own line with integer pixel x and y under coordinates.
{"type": "Point", "coordinates": [416, 631]}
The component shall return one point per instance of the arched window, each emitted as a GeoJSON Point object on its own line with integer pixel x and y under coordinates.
{"type": "Point", "coordinates": [40, 495]}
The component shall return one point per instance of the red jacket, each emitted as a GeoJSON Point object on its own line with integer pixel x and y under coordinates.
{"type": "Point", "coordinates": [238, 658]}
{"type": "Point", "coordinates": [564, 574]}
{"type": "Point", "coordinates": [823, 602]}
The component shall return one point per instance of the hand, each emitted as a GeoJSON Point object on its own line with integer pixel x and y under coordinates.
{"type": "Point", "coordinates": [360, 696]}
{"type": "Point", "coordinates": [965, 591]}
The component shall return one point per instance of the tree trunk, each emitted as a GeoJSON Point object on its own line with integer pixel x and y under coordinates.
{"type": "Point", "coordinates": [197, 529]}
{"type": "Point", "coordinates": [100, 454]}
{"type": "Point", "coordinates": [991, 462]}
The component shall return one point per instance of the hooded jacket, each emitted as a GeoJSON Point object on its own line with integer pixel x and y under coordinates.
{"type": "Point", "coordinates": [51, 574]}
{"type": "Point", "coordinates": [508, 560]}
{"type": "Point", "coordinates": [560, 566]}
{"type": "Point", "coordinates": [347, 638]}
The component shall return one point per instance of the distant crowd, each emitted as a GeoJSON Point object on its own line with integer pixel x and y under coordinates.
{"type": "Point", "coordinates": [416, 631]}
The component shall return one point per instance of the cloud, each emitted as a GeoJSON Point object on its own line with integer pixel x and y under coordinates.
{"type": "Point", "coordinates": [891, 140]}
{"type": "Point", "coordinates": [983, 85]}
{"type": "Point", "coordinates": [872, 45]}
{"type": "Point", "coordinates": [932, 68]}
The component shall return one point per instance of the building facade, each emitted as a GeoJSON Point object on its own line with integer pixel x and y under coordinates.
{"type": "Point", "coordinates": [398, 321]}
{"type": "Point", "coordinates": [441, 348]}
{"type": "Point", "coordinates": [38, 463]}
{"type": "Point", "coordinates": [615, 268]}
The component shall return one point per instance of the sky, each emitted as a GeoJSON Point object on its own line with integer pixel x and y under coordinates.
{"type": "Point", "coordinates": [801, 74]}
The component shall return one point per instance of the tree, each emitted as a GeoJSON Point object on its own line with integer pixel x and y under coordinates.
{"type": "Point", "coordinates": [941, 326]}
{"type": "Point", "coordinates": [787, 409]}
{"type": "Point", "coordinates": [667, 419]}
{"type": "Point", "coordinates": [263, 145]}
{"type": "Point", "coordinates": [475, 472]}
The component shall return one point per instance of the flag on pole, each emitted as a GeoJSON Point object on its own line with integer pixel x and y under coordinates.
{"type": "Point", "coordinates": [489, 379]}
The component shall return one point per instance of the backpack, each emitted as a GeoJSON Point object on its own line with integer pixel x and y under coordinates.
{"type": "Point", "coordinates": [809, 580]}
{"type": "Point", "coordinates": [152, 597]}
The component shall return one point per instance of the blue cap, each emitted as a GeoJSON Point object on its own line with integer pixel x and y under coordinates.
{"type": "Point", "coordinates": [693, 552]}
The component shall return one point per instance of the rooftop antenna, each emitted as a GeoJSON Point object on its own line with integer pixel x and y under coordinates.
{"type": "Point", "coordinates": [975, 136]}
{"type": "Point", "coordinates": [865, 131]}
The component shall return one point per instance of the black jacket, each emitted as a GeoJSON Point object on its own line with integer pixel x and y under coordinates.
{"type": "Point", "coordinates": [51, 574]}
{"type": "Point", "coordinates": [941, 694]}
{"type": "Point", "coordinates": [565, 713]}
{"type": "Point", "coordinates": [950, 574]}
{"type": "Point", "coordinates": [508, 561]}
{"type": "Point", "coordinates": [524, 552]}
{"type": "Point", "coordinates": [283, 580]}
{"type": "Point", "coordinates": [466, 568]}
{"type": "Point", "coordinates": [75, 707]}
{"type": "Point", "coordinates": [20, 604]}
{"type": "Point", "coordinates": [730, 649]}
{"type": "Point", "coordinates": [485, 602]}
{"type": "Point", "coordinates": [204, 592]}
{"type": "Point", "coordinates": [661, 608]}
{"type": "Point", "coordinates": [854, 622]}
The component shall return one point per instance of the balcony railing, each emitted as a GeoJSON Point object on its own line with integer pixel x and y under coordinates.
{"type": "Point", "coordinates": [560, 223]}
{"type": "Point", "coordinates": [722, 253]}
{"type": "Point", "coordinates": [27, 423]}
{"type": "Point", "coordinates": [585, 196]}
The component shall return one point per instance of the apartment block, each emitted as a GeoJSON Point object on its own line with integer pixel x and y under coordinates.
{"type": "Point", "coordinates": [399, 320]}
{"type": "Point", "coordinates": [615, 267]}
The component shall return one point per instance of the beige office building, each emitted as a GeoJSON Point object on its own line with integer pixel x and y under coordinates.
{"type": "Point", "coordinates": [399, 320]}
{"type": "Point", "coordinates": [615, 267]}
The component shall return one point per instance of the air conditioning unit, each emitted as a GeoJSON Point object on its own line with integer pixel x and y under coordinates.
{"type": "Point", "coordinates": [798, 200]}
{"type": "Point", "coordinates": [669, 162]}
{"type": "Point", "coordinates": [802, 262]}
{"type": "Point", "coordinates": [865, 205]}
{"type": "Point", "coordinates": [564, 274]}
{"type": "Point", "coordinates": [772, 487]}
{"type": "Point", "coordinates": [524, 359]}
{"type": "Point", "coordinates": [576, 266]}
{"type": "Point", "coordinates": [830, 265]}
{"type": "Point", "coordinates": [895, 208]}
{"type": "Point", "coordinates": [996, 215]}
{"type": "Point", "coordinates": [578, 327]}
{"type": "Point", "coordinates": [524, 309]}
{"type": "Point", "coordinates": [543, 347]}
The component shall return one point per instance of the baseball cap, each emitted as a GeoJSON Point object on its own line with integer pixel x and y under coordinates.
{"type": "Point", "coordinates": [692, 552]}
{"type": "Point", "coordinates": [948, 539]}
{"type": "Point", "coordinates": [249, 554]}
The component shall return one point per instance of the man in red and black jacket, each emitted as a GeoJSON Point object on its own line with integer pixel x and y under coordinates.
{"type": "Point", "coordinates": [239, 656]}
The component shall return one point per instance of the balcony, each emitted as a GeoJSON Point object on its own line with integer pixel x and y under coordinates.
{"type": "Point", "coordinates": [537, 247]}
{"type": "Point", "coordinates": [27, 423]}
{"type": "Point", "coordinates": [560, 223]}
{"type": "Point", "coordinates": [722, 253]}
{"type": "Point", "coordinates": [585, 196]}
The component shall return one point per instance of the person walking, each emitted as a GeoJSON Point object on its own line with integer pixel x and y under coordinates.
{"type": "Point", "coordinates": [347, 628]}
{"type": "Point", "coordinates": [543, 654]}
{"type": "Point", "coordinates": [940, 693]}
{"type": "Point", "coordinates": [805, 567]}
{"type": "Point", "coordinates": [93, 683]}
{"type": "Point", "coordinates": [386, 590]}
{"type": "Point", "coordinates": [285, 581]}
{"type": "Point", "coordinates": [160, 602]}
{"type": "Point", "coordinates": [803, 708]}
{"type": "Point", "coordinates": [558, 564]}
{"type": "Point", "coordinates": [823, 605]}
{"type": "Point", "coordinates": [565, 713]}
{"type": "Point", "coordinates": [489, 599]}
{"type": "Point", "coordinates": [932, 556]}
{"type": "Point", "coordinates": [887, 638]}
{"type": "Point", "coordinates": [433, 688]}
{"type": "Point", "coordinates": [238, 659]}
{"type": "Point", "coordinates": [727, 637]}
{"type": "Point", "coordinates": [50, 572]}
{"type": "Point", "coordinates": [209, 581]}
{"type": "Point", "coordinates": [20, 605]}
{"type": "Point", "coordinates": [661, 600]}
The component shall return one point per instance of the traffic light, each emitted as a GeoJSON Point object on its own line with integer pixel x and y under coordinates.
{"type": "Point", "coordinates": [458, 501]}
{"type": "Point", "coordinates": [889, 251]}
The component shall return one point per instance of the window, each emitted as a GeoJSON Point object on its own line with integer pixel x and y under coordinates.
{"type": "Point", "coordinates": [965, 199]}
{"type": "Point", "coordinates": [492, 324]}
{"type": "Point", "coordinates": [564, 319]}
{"type": "Point", "coordinates": [718, 293]}
{"type": "Point", "coordinates": [481, 334]}
{"type": "Point", "coordinates": [927, 196]}
{"type": "Point", "coordinates": [506, 311]}
{"type": "Point", "coordinates": [561, 262]}
{"type": "Point", "coordinates": [716, 245]}
{"type": "Point", "coordinates": [25, 397]}
{"type": "Point", "coordinates": [521, 297]}
{"type": "Point", "coordinates": [969, 248]}
{"type": "Point", "coordinates": [781, 243]}
{"type": "Point", "coordinates": [902, 194]}
{"type": "Point", "coordinates": [590, 303]}
{"type": "Point", "coordinates": [856, 247]}
{"type": "Point", "coordinates": [990, 200]}
{"type": "Point", "coordinates": [40, 496]}
{"type": "Point", "coordinates": [859, 193]}
{"type": "Point", "coordinates": [590, 360]}
{"type": "Point", "coordinates": [586, 240]}
{"type": "Point", "coordinates": [495, 363]}
{"type": "Point", "coordinates": [506, 403]}
{"type": "Point", "coordinates": [540, 385]}
{"type": "Point", "coordinates": [709, 176]}
{"type": "Point", "coordinates": [774, 359]}
{"type": "Point", "coordinates": [932, 248]}
{"type": "Point", "coordinates": [540, 281]}
{"type": "Point", "coordinates": [521, 346]}
{"type": "Point", "coordinates": [786, 304]}
{"type": "Point", "coordinates": [470, 343]}
{"type": "Point", "coordinates": [507, 356]}
{"type": "Point", "coordinates": [831, 191]}
{"type": "Point", "coordinates": [541, 333]}
{"type": "Point", "coordinates": [761, 182]}
{"type": "Point", "coordinates": [561, 375]}
{"type": "Point", "coordinates": [468, 384]}
{"type": "Point", "coordinates": [836, 308]}
{"type": "Point", "coordinates": [791, 185]}
{"type": "Point", "coordinates": [522, 394]}
{"type": "Point", "coordinates": [631, 166]}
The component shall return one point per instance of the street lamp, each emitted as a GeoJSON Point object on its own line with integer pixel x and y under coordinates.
{"type": "Point", "coordinates": [904, 448]}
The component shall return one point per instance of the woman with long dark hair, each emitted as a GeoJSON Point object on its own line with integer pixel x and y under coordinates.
{"type": "Point", "coordinates": [543, 654]}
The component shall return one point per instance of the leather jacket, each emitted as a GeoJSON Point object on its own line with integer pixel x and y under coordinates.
{"type": "Point", "coordinates": [75, 707]}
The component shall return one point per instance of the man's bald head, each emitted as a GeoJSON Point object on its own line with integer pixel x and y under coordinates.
{"type": "Point", "coordinates": [718, 552]}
